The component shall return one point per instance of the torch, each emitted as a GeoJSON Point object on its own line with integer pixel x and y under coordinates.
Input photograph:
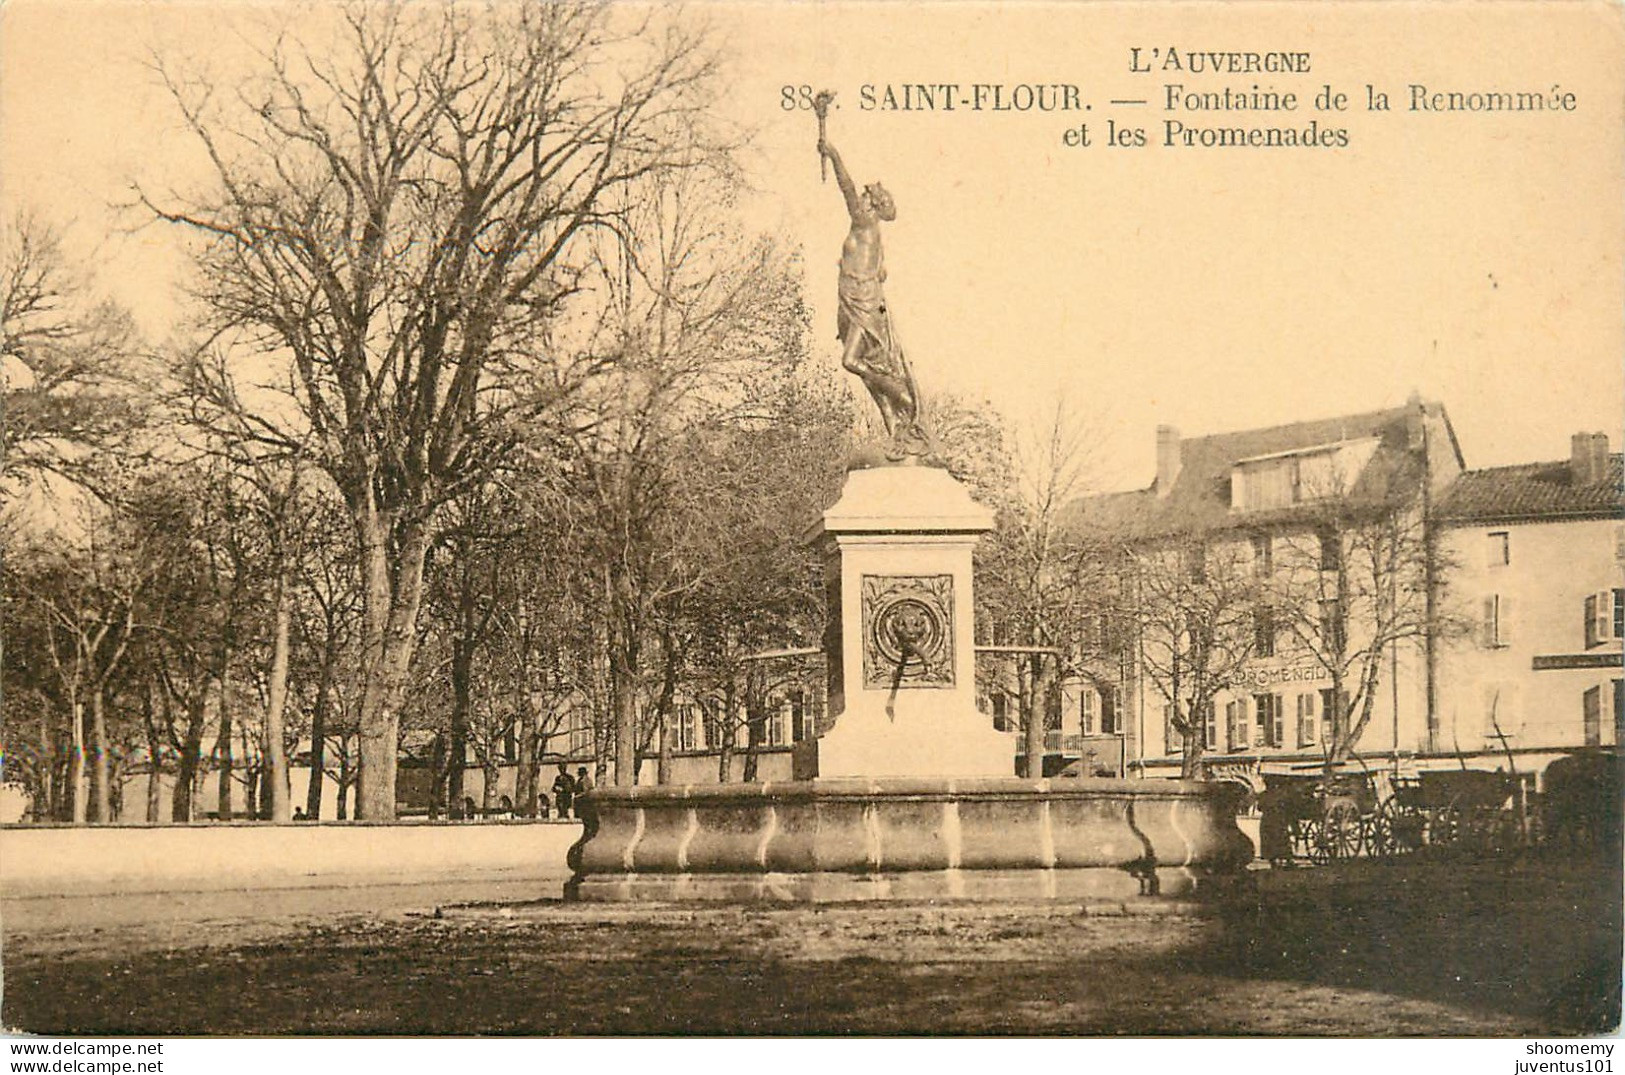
{"type": "Point", "coordinates": [821, 106]}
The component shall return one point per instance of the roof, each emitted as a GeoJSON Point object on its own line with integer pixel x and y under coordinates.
{"type": "Point", "coordinates": [1200, 497]}
{"type": "Point", "coordinates": [1533, 491]}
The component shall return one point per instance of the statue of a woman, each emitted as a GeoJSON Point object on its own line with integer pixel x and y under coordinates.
{"type": "Point", "coordinates": [869, 347]}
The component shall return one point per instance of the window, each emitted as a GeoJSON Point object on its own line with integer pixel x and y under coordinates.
{"type": "Point", "coordinates": [1331, 551]}
{"type": "Point", "coordinates": [1237, 726]}
{"type": "Point", "coordinates": [1308, 725]}
{"type": "Point", "coordinates": [1210, 729]}
{"type": "Point", "coordinates": [1332, 705]}
{"type": "Point", "coordinates": [1619, 711]}
{"type": "Point", "coordinates": [1499, 550]}
{"type": "Point", "coordinates": [1605, 617]}
{"type": "Point", "coordinates": [688, 728]}
{"type": "Point", "coordinates": [777, 732]}
{"type": "Point", "coordinates": [1001, 712]}
{"type": "Point", "coordinates": [510, 744]}
{"type": "Point", "coordinates": [1497, 622]}
{"type": "Point", "coordinates": [1263, 555]}
{"type": "Point", "coordinates": [1108, 711]}
{"type": "Point", "coordinates": [1271, 720]}
{"type": "Point", "coordinates": [1263, 632]}
{"type": "Point", "coordinates": [1592, 705]}
{"type": "Point", "coordinates": [799, 725]}
{"type": "Point", "coordinates": [1086, 711]}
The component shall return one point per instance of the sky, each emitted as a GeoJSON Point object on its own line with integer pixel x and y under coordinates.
{"type": "Point", "coordinates": [1477, 257]}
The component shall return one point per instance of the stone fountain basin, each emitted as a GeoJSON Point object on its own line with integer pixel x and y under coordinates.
{"type": "Point", "coordinates": [908, 837]}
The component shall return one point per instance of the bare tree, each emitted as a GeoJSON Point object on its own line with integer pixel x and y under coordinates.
{"type": "Point", "coordinates": [1196, 608]}
{"type": "Point", "coordinates": [394, 214]}
{"type": "Point", "coordinates": [69, 363]}
{"type": "Point", "coordinates": [695, 317]}
{"type": "Point", "coordinates": [1359, 580]}
{"type": "Point", "coordinates": [1039, 580]}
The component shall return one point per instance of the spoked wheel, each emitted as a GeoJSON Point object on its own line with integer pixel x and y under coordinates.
{"type": "Point", "coordinates": [1341, 831]}
{"type": "Point", "coordinates": [1379, 834]}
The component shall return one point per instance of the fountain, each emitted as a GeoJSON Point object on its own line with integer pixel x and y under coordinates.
{"type": "Point", "coordinates": [907, 791]}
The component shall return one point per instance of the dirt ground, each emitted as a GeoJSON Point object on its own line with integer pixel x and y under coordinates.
{"type": "Point", "coordinates": [1369, 949]}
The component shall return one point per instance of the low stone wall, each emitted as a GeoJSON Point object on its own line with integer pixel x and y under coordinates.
{"type": "Point", "coordinates": [57, 860]}
{"type": "Point", "coordinates": [757, 840]}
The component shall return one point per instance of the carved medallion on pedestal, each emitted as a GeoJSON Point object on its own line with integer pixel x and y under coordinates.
{"type": "Point", "coordinates": [908, 631]}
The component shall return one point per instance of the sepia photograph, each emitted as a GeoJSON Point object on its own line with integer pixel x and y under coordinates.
{"type": "Point", "coordinates": [600, 520]}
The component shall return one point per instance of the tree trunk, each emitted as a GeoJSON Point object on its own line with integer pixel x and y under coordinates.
{"type": "Point", "coordinates": [45, 804]}
{"type": "Point", "coordinates": [524, 777]}
{"type": "Point", "coordinates": [462, 675]}
{"type": "Point", "coordinates": [725, 750]}
{"type": "Point", "coordinates": [318, 729]}
{"type": "Point", "coordinates": [437, 774]}
{"type": "Point", "coordinates": [76, 760]}
{"type": "Point", "coordinates": [101, 769]}
{"type": "Point", "coordinates": [1031, 700]}
{"type": "Point", "coordinates": [623, 695]}
{"type": "Point", "coordinates": [276, 748]}
{"type": "Point", "coordinates": [663, 757]}
{"type": "Point", "coordinates": [155, 755]}
{"type": "Point", "coordinates": [223, 752]}
{"type": "Point", "coordinates": [186, 766]}
{"type": "Point", "coordinates": [343, 804]}
{"type": "Point", "coordinates": [755, 719]}
{"type": "Point", "coordinates": [1190, 766]}
{"type": "Point", "coordinates": [391, 600]}
{"type": "Point", "coordinates": [493, 776]}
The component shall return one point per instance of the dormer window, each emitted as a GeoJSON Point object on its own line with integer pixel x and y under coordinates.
{"type": "Point", "coordinates": [1286, 479]}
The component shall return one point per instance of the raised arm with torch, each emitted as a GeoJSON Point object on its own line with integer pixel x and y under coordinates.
{"type": "Point", "coordinates": [869, 347]}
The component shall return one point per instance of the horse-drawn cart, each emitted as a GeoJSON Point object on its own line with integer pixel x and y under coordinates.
{"type": "Point", "coordinates": [1322, 818]}
{"type": "Point", "coordinates": [1469, 808]}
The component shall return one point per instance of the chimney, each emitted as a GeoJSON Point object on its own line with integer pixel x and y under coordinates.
{"type": "Point", "coordinates": [1588, 458]}
{"type": "Point", "coordinates": [1167, 459]}
{"type": "Point", "coordinates": [1416, 417]}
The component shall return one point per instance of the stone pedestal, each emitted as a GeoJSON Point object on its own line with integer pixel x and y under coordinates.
{"type": "Point", "coordinates": [899, 639]}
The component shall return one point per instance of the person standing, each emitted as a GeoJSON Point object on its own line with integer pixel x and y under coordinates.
{"type": "Point", "coordinates": [564, 790]}
{"type": "Point", "coordinates": [583, 784]}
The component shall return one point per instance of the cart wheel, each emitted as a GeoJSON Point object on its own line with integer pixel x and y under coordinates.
{"type": "Point", "coordinates": [1342, 831]}
{"type": "Point", "coordinates": [1379, 834]}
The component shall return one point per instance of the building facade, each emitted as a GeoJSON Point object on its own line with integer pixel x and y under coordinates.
{"type": "Point", "coordinates": [1493, 643]}
{"type": "Point", "coordinates": [1537, 553]}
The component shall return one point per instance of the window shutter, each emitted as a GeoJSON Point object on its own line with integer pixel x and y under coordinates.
{"type": "Point", "coordinates": [1489, 636]}
{"type": "Point", "coordinates": [1307, 722]}
{"type": "Point", "coordinates": [1277, 721]}
{"type": "Point", "coordinates": [1599, 618]}
{"type": "Point", "coordinates": [1619, 614]}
